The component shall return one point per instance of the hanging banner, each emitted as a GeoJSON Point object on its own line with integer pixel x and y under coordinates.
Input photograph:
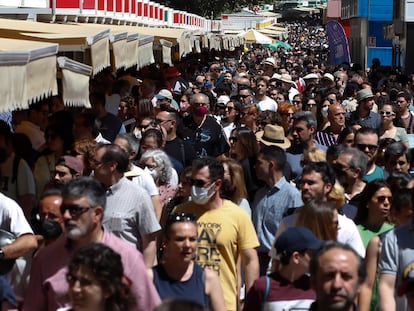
{"type": "Point", "coordinates": [338, 43]}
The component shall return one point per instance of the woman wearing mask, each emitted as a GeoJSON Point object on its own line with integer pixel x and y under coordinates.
{"type": "Point", "coordinates": [159, 165]}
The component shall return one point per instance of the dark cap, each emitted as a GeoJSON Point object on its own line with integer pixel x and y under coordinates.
{"type": "Point", "coordinates": [71, 162]}
{"type": "Point", "coordinates": [297, 239]}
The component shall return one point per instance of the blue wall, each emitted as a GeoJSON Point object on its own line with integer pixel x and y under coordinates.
{"type": "Point", "coordinates": [384, 54]}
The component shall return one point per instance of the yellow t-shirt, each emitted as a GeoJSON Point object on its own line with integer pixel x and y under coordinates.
{"type": "Point", "coordinates": [222, 233]}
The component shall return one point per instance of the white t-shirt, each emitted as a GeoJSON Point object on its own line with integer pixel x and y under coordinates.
{"type": "Point", "coordinates": [12, 218]}
{"type": "Point", "coordinates": [267, 104]}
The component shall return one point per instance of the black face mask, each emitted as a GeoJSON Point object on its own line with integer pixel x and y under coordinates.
{"type": "Point", "coordinates": [50, 229]}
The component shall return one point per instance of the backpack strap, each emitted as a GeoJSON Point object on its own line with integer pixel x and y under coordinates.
{"type": "Point", "coordinates": [266, 294]}
{"type": "Point", "coordinates": [16, 162]}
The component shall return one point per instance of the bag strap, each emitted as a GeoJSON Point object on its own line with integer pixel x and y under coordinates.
{"type": "Point", "coordinates": [266, 294]}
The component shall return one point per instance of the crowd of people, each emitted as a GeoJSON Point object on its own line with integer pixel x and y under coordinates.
{"type": "Point", "coordinates": [261, 180]}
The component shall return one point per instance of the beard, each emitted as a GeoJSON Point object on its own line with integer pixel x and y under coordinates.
{"type": "Point", "coordinates": [73, 231]}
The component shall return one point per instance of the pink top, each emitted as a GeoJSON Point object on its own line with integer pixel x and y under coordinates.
{"type": "Point", "coordinates": [48, 289]}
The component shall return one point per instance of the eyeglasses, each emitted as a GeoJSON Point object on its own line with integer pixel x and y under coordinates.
{"type": "Point", "coordinates": [229, 108]}
{"type": "Point", "coordinates": [386, 113]}
{"type": "Point", "coordinates": [176, 217]}
{"type": "Point", "coordinates": [340, 167]}
{"type": "Point", "coordinates": [288, 114]}
{"type": "Point", "coordinates": [198, 182]}
{"type": "Point", "coordinates": [152, 123]}
{"type": "Point", "coordinates": [74, 209]}
{"type": "Point", "coordinates": [296, 102]}
{"type": "Point", "coordinates": [382, 198]}
{"type": "Point", "coordinates": [233, 139]}
{"type": "Point", "coordinates": [363, 147]}
{"type": "Point", "coordinates": [244, 96]}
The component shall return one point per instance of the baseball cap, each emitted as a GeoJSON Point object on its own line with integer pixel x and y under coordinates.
{"type": "Point", "coordinates": [297, 239]}
{"type": "Point", "coordinates": [164, 94]}
{"type": "Point", "coordinates": [71, 162]}
{"type": "Point", "coordinates": [223, 99]}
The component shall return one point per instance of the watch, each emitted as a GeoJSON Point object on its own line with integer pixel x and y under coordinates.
{"type": "Point", "coordinates": [1, 254]}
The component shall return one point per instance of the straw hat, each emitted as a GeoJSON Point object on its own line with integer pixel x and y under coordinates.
{"type": "Point", "coordinates": [273, 135]}
{"type": "Point", "coordinates": [286, 78]}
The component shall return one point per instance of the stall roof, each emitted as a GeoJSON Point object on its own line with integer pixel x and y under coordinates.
{"type": "Point", "coordinates": [27, 71]}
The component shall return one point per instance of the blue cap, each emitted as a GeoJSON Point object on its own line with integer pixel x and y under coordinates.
{"type": "Point", "coordinates": [297, 239]}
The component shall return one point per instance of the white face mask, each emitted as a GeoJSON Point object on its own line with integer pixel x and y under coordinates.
{"type": "Point", "coordinates": [200, 195]}
{"type": "Point", "coordinates": [324, 111]}
{"type": "Point", "coordinates": [152, 171]}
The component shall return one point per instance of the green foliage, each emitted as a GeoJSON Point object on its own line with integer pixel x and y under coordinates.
{"type": "Point", "coordinates": [210, 8]}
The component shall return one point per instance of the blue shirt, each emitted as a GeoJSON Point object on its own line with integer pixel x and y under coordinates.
{"type": "Point", "coordinates": [269, 208]}
{"type": "Point", "coordinates": [373, 120]}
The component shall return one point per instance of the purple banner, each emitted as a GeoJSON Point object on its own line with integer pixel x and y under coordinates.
{"type": "Point", "coordinates": [338, 43]}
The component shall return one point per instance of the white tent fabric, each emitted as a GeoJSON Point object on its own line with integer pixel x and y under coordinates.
{"type": "Point", "coordinates": [27, 71]}
{"type": "Point", "coordinates": [253, 36]}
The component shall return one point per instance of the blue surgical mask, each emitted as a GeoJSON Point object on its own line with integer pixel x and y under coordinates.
{"type": "Point", "coordinates": [200, 195]}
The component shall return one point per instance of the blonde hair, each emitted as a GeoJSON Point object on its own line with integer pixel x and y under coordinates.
{"type": "Point", "coordinates": [238, 189]}
{"type": "Point", "coordinates": [337, 195]}
{"type": "Point", "coordinates": [318, 217]}
{"type": "Point", "coordinates": [314, 155]}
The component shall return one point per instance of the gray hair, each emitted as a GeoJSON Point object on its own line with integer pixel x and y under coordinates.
{"type": "Point", "coordinates": [163, 163]}
{"type": "Point", "coordinates": [307, 117]}
{"type": "Point", "coordinates": [358, 159]}
{"type": "Point", "coordinates": [88, 188]}
{"type": "Point", "coordinates": [133, 143]}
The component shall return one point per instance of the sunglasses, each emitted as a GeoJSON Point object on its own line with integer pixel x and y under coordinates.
{"type": "Point", "coordinates": [82, 280]}
{"type": "Point", "coordinates": [74, 209]}
{"type": "Point", "coordinates": [363, 147]}
{"type": "Point", "coordinates": [296, 102]}
{"type": "Point", "coordinates": [152, 123]}
{"type": "Point", "coordinates": [198, 183]}
{"type": "Point", "coordinates": [382, 199]}
{"type": "Point", "coordinates": [176, 217]}
{"type": "Point", "coordinates": [386, 113]}
{"type": "Point", "coordinates": [229, 108]}
{"type": "Point", "coordinates": [244, 96]}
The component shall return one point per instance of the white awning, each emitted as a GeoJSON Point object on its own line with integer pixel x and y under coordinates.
{"type": "Point", "coordinates": [75, 82]}
{"type": "Point", "coordinates": [27, 72]}
{"type": "Point", "coordinates": [70, 37]}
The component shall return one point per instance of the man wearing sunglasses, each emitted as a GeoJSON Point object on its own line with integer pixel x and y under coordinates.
{"type": "Point", "coordinates": [366, 140]}
{"type": "Point", "coordinates": [83, 205]}
{"type": "Point", "coordinates": [225, 231]}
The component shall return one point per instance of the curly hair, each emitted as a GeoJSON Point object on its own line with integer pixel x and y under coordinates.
{"type": "Point", "coordinates": [163, 164]}
{"type": "Point", "coordinates": [106, 267]}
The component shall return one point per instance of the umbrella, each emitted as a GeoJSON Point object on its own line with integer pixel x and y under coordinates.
{"type": "Point", "coordinates": [274, 45]}
{"type": "Point", "coordinates": [253, 36]}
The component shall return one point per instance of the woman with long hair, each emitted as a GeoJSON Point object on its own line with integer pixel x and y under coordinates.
{"type": "Point", "coordinates": [320, 217]}
{"type": "Point", "coordinates": [97, 282]}
{"type": "Point", "coordinates": [400, 214]}
{"type": "Point", "coordinates": [244, 149]}
{"type": "Point", "coordinates": [374, 209]}
{"type": "Point", "coordinates": [234, 186]}
{"type": "Point", "coordinates": [388, 129]}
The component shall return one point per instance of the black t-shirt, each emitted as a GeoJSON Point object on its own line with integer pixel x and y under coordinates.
{"type": "Point", "coordinates": [207, 140]}
{"type": "Point", "coordinates": [181, 151]}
